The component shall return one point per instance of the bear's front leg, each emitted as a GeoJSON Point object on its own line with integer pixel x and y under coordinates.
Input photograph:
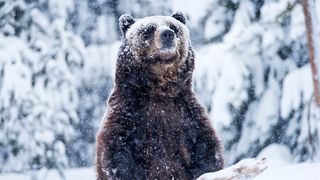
{"type": "Point", "coordinates": [117, 156]}
{"type": "Point", "coordinates": [202, 142]}
{"type": "Point", "coordinates": [206, 152]}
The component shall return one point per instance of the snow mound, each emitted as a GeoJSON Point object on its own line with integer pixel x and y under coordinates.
{"type": "Point", "coordinates": [296, 172]}
{"type": "Point", "coordinates": [277, 155]}
{"type": "Point", "coordinates": [245, 169]}
{"type": "Point", "coordinates": [71, 174]}
{"type": "Point", "coordinates": [253, 169]}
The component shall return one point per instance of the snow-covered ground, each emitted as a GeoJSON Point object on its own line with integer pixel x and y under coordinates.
{"type": "Point", "coordinates": [72, 174]}
{"type": "Point", "coordinates": [273, 163]}
{"type": "Point", "coordinates": [294, 172]}
{"type": "Point", "coordinates": [257, 169]}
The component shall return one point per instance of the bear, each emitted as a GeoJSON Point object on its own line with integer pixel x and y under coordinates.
{"type": "Point", "coordinates": [154, 126]}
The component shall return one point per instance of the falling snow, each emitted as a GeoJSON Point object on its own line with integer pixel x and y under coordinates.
{"type": "Point", "coordinates": [57, 65]}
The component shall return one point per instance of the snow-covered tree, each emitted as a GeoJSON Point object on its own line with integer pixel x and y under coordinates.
{"type": "Point", "coordinates": [260, 81]}
{"type": "Point", "coordinates": [38, 96]}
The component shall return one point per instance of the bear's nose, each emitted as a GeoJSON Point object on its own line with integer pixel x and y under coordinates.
{"type": "Point", "coordinates": [167, 37]}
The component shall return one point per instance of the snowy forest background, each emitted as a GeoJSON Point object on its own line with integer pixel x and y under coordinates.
{"type": "Point", "coordinates": [57, 60]}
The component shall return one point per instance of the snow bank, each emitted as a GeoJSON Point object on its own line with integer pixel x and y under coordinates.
{"type": "Point", "coordinates": [245, 169]}
{"type": "Point", "coordinates": [250, 169]}
{"type": "Point", "coordinates": [71, 174]}
{"type": "Point", "coordinates": [277, 156]}
{"type": "Point", "coordinates": [297, 172]}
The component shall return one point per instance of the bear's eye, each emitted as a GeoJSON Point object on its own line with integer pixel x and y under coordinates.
{"type": "Point", "coordinates": [174, 28]}
{"type": "Point", "coordinates": [148, 31]}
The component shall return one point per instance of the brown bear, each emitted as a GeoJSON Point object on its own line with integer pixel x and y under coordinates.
{"type": "Point", "coordinates": [155, 127]}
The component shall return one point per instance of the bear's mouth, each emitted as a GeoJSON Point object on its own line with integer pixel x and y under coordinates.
{"type": "Point", "coordinates": [165, 56]}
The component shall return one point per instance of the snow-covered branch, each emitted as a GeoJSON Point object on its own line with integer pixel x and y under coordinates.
{"type": "Point", "coordinates": [245, 169]}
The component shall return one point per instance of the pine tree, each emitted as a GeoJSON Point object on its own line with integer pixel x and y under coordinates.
{"type": "Point", "coordinates": [38, 94]}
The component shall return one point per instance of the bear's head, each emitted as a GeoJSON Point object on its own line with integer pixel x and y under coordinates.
{"type": "Point", "coordinates": [156, 39]}
{"type": "Point", "coordinates": [156, 53]}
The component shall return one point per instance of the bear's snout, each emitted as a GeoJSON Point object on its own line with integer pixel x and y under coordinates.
{"type": "Point", "coordinates": [167, 37]}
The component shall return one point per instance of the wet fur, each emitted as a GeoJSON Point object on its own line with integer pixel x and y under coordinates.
{"type": "Point", "coordinates": [155, 128]}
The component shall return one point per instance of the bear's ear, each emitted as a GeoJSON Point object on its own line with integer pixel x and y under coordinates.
{"type": "Point", "coordinates": [125, 22]}
{"type": "Point", "coordinates": [179, 16]}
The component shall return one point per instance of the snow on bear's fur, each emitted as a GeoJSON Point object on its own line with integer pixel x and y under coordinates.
{"type": "Point", "coordinates": [154, 127]}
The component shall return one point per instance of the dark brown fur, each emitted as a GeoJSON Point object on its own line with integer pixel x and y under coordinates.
{"type": "Point", "coordinates": [155, 128]}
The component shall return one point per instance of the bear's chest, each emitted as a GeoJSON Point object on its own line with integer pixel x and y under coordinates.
{"type": "Point", "coordinates": [163, 115]}
{"type": "Point", "coordinates": [170, 111]}
{"type": "Point", "coordinates": [164, 127]}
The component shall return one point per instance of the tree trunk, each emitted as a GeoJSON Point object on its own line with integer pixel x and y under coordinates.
{"type": "Point", "coordinates": [311, 23]}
